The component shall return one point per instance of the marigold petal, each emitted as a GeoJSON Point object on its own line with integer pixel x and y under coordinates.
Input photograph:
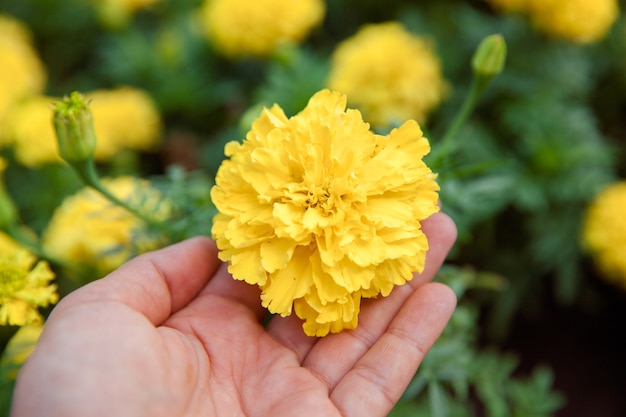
{"type": "Point", "coordinates": [387, 212]}
{"type": "Point", "coordinates": [329, 250]}
{"type": "Point", "coordinates": [349, 275]}
{"type": "Point", "coordinates": [322, 319]}
{"type": "Point", "coordinates": [287, 284]}
{"type": "Point", "coordinates": [276, 253]}
{"type": "Point", "coordinates": [391, 273]}
{"type": "Point", "coordinates": [289, 223]}
{"type": "Point", "coordinates": [245, 265]}
{"type": "Point", "coordinates": [242, 235]}
{"type": "Point", "coordinates": [327, 288]}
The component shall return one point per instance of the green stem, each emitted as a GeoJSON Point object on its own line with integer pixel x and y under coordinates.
{"type": "Point", "coordinates": [25, 240]}
{"type": "Point", "coordinates": [447, 142]}
{"type": "Point", "coordinates": [86, 170]}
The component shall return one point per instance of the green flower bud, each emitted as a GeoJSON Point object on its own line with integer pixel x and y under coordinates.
{"type": "Point", "coordinates": [489, 58]}
{"type": "Point", "coordinates": [73, 123]}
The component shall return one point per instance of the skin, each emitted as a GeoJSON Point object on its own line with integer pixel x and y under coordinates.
{"type": "Point", "coordinates": [170, 333]}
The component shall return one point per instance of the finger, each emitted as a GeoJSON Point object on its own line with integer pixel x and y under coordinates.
{"type": "Point", "coordinates": [380, 377]}
{"type": "Point", "coordinates": [349, 346]}
{"type": "Point", "coordinates": [155, 284]}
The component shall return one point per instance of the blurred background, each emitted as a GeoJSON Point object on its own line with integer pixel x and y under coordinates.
{"type": "Point", "coordinates": [534, 178]}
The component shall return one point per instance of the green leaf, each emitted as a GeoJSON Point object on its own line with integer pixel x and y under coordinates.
{"type": "Point", "coordinates": [293, 80]}
{"type": "Point", "coordinates": [438, 400]}
{"type": "Point", "coordinates": [534, 397]}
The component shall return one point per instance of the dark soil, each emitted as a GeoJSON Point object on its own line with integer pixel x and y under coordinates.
{"type": "Point", "coordinates": [585, 347]}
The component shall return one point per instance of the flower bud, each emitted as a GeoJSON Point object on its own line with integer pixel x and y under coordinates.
{"type": "Point", "coordinates": [489, 58]}
{"type": "Point", "coordinates": [73, 123]}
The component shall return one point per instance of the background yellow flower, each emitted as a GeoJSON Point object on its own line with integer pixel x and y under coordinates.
{"type": "Point", "coordinates": [581, 21]}
{"type": "Point", "coordinates": [387, 72]}
{"type": "Point", "coordinates": [89, 231]}
{"type": "Point", "coordinates": [255, 27]}
{"type": "Point", "coordinates": [124, 118]}
{"type": "Point", "coordinates": [604, 232]}
{"type": "Point", "coordinates": [319, 211]}
{"type": "Point", "coordinates": [21, 72]}
{"type": "Point", "coordinates": [24, 286]}
{"type": "Point", "coordinates": [29, 129]}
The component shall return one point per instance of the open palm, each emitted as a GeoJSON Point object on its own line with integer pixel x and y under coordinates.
{"type": "Point", "coordinates": [172, 334]}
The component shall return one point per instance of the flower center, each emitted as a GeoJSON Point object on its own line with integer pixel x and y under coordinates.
{"type": "Point", "coordinates": [317, 197]}
{"type": "Point", "coordinates": [322, 198]}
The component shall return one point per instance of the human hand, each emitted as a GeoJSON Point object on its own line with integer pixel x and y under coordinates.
{"type": "Point", "coordinates": [170, 333]}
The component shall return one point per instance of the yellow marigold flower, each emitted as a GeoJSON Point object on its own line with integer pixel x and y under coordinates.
{"type": "Point", "coordinates": [21, 72]}
{"type": "Point", "coordinates": [604, 232]}
{"type": "Point", "coordinates": [319, 211]}
{"type": "Point", "coordinates": [254, 28]}
{"type": "Point", "coordinates": [582, 21]}
{"type": "Point", "coordinates": [19, 348]}
{"type": "Point", "coordinates": [24, 286]}
{"type": "Point", "coordinates": [124, 118]}
{"type": "Point", "coordinates": [90, 231]}
{"type": "Point", "coordinates": [29, 128]}
{"type": "Point", "coordinates": [390, 74]}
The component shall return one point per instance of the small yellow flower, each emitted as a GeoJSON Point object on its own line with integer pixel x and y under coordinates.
{"type": "Point", "coordinates": [604, 232]}
{"type": "Point", "coordinates": [89, 231]}
{"type": "Point", "coordinates": [239, 28]}
{"type": "Point", "coordinates": [319, 211]}
{"type": "Point", "coordinates": [582, 21]}
{"type": "Point", "coordinates": [124, 118]}
{"type": "Point", "coordinates": [21, 73]}
{"type": "Point", "coordinates": [19, 348]}
{"type": "Point", "coordinates": [24, 286]}
{"type": "Point", "coordinates": [390, 74]}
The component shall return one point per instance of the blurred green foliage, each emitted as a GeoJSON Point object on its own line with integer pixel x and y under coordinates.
{"type": "Point", "coordinates": [460, 378]}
